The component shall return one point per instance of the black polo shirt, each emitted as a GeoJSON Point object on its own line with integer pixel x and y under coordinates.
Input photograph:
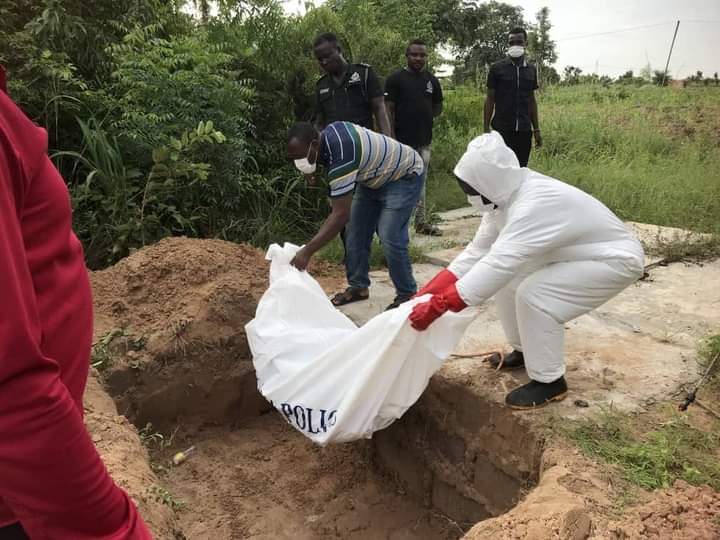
{"type": "Point", "coordinates": [514, 85]}
{"type": "Point", "coordinates": [350, 101]}
{"type": "Point", "coordinates": [414, 94]}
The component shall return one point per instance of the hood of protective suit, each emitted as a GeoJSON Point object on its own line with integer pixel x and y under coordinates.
{"type": "Point", "coordinates": [491, 168]}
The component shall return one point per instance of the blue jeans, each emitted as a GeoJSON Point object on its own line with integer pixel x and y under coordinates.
{"type": "Point", "coordinates": [386, 210]}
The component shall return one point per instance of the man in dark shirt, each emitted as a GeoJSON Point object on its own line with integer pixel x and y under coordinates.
{"type": "Point", "coordinates": [347, 92]}
{"type": "Point", "coordinates": [510, 106]}
{"type": "Point", "coordinates": [413, 98]}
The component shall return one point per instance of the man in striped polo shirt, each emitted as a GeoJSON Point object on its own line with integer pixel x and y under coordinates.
{"type": "Point", "coordinates": [374, 183]}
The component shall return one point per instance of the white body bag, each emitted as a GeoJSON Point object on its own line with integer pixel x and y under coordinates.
{"type": "Point", "coordinates": [329, 379]}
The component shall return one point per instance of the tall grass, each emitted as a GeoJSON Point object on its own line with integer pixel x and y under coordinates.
{"type": "Point", "coordinates": [651, 154]}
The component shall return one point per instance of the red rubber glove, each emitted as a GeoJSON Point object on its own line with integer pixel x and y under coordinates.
{"type": "Point", "coordinates": [423, 315]}
{"type": "Point", "coordinates": [438, 284]}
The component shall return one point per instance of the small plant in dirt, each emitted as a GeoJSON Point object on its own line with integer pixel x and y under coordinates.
{"type": "Point", "coordinates": [627, 496]}
{"type": "Point", "coordinates": [689, 247]}
{"type": "Point", "coordinates": [178, 329]}
{"type": "Point", "coordinates": [154, 440]}
{"type": "Point", "coordinates": [162, 495]}
{"type": "Point", "coordinates": [653, 458]}
{"type": "Point", "coordinates": [150, 438]}
{"type": "Point", "coordinates": [109, 344]}
{"type": "Point", "coordinates": [101, 356]}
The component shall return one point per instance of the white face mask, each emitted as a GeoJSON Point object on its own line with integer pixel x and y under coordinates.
{"type": "Point", "coordinates": [477, 202]}
{"type": "Point", "coordinates": [304, 166]}
{"type": "Point", "coordinates": [516, 51]}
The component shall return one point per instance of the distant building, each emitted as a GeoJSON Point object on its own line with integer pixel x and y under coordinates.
{"type": "Point", "coordinates": [678, 83]}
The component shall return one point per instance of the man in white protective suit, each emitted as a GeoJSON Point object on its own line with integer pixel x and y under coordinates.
{"type": "Point", "coordinates": [546, 251]}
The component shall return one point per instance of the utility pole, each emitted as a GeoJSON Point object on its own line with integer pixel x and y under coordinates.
{"type": "Point", "coordinates": [670, 54]}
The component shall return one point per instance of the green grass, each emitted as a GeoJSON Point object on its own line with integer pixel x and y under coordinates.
{"type": "Point", "coordinates": [653, 449]}
{"type": "Point", "coordinates": [162, 495]}
{"type": "Point", "coordinates": [101, 354]}
{"type": "Point", "coordinates": [656, 458]}
{"type": "Point", "coordinates": [333, 252]}
{"type": "Point", "coordinates": [649, 153]}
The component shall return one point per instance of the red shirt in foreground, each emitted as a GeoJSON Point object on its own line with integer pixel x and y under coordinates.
{"type": "Point", "coordinates": [51, 477]}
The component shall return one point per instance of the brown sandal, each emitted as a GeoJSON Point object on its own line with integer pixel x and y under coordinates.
{"type": "Point", "coordinates": [350, 295]}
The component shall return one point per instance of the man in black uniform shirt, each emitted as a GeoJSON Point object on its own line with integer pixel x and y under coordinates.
{"type": "Point", "coordinates": [413, 98]}
{"type": "Point", "coordinates": [348, 92]}
{"type": "Point", "coordinates": [510, 101]}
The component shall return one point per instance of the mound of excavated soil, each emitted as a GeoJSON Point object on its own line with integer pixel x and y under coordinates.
{"type": "Point", "coordinates": [178, 309]}
{"type": "Point", "coordinates": [179, 279]}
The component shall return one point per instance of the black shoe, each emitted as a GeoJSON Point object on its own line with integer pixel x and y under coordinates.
{"type": "Point", "coordinates": [398, 300]}
{"type": "Point", "coordinates": [534, 395]}
{"type": "Point", "coordinates": [514, 360]}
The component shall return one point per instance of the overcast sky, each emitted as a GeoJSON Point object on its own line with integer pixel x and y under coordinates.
{"type": "Point", "coordinates": [697, 46]}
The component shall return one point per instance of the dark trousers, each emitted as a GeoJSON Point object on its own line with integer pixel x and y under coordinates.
{"type": "Point", "coordinates": [13, 532]}
{"type": "Point", "coordinates": [519, 142]}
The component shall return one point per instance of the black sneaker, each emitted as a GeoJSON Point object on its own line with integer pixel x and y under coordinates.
{"type": "Point", "coordinates": [514, 360]}
{"type": "Point", "coordinates": [534, 395]}
{"type": "Point", "coordinates": [398, 300]}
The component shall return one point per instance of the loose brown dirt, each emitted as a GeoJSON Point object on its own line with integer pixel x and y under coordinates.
{"type": "Point", "coordinates": [264, 480]}
{"type": "Point", "coordinates": [180, 362]}
{"type": "Point", "coordinates": [683, 512]}
{"type": "Point", "coordinates": [127, 460]}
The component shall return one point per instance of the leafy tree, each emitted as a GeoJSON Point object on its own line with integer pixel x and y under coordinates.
{"type": "Point", "coordinates": [55, 50]}
{"type": "Point", "coordinates": [541, 47]}
{"type": "Point", "coordinates": [481, 33]}
{"type": "Point", "coordinates": [571, 75]}
{"type": "Point", "coordinates": [549, 76]}
{"type": "Point", "coordinates": [660, 78]}
{"type": "Point", "coordinates": [629, 78]}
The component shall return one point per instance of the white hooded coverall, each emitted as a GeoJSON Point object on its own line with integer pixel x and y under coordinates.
{"type": "Point", "coordinates": [548, 253]}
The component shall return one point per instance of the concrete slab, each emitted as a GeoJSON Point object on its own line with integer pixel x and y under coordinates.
{"type": "Point", "coordinates": [608, 363]}
{"type": "Point", "coordinates": [459, 213]}
{"type": "Point", "coordinates": [652, 236]}
{"type": "Point", "coordinates": [458, 229]}
{"type": "Point", "coordinates": [382, 293]}
{"type": "Point", "coordinates": [458, 232]}
{"type": "Point", "coordinates": [638, 348]}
